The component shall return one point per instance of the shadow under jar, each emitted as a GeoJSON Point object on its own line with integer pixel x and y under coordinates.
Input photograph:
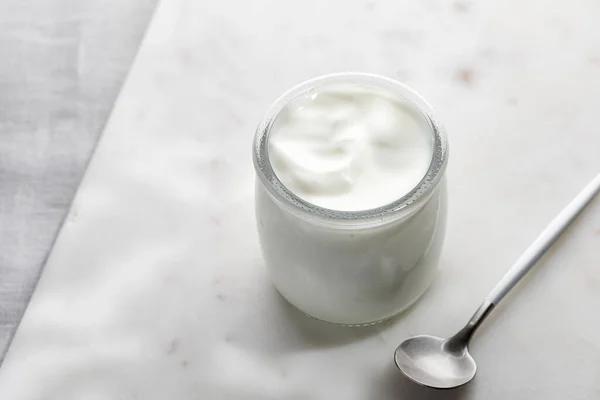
{"type": "Point", "coordinates": [352, 267]}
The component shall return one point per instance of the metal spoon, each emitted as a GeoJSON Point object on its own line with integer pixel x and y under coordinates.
{"type": "Point", "coordinates": [446, 363]}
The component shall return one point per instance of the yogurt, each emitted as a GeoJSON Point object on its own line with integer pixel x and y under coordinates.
{"type": "Point", "coordinates": [350, 197]}
{"type": "Point", "coordinates": [350, 147]}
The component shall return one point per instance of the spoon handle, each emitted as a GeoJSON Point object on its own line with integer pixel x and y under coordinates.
{"type": "Point", "coordinates": [537, 249]}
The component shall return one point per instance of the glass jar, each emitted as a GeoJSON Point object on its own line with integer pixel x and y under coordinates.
{"type": "Point", "coordinates": [351, 267]}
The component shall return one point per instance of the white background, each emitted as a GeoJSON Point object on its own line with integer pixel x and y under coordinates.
{"type": "Point", "coordinates": [155, 288]}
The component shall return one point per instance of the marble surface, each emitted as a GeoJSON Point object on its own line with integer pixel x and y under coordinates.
{"type": "Point", "coordinates": [62, 63]}
{"type": "Point", "coordinates": [155, 287]}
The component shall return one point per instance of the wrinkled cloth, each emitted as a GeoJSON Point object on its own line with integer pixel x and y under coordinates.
{"type": "Point", "coordinates": [61, 65]}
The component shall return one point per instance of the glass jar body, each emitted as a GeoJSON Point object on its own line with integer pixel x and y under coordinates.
{"type": "Point", "coordinates": [348, 274]}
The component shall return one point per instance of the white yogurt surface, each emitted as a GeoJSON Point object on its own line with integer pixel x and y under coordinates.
{"type": "Point", "coordinates": [350, 147]}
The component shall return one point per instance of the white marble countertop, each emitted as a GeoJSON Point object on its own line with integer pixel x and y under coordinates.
{"type": "Point", "coordinates": [155, 288]}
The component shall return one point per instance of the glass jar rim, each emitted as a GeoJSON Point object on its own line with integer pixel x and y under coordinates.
{"type": "Point", "coordinates": [282, 194]}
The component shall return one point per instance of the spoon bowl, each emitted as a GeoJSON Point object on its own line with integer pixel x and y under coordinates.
{"type": "Point", "coordinates": [430, 361]}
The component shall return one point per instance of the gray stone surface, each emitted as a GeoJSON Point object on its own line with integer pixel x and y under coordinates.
{"type": "Point", "coordinates": [62, 63]}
